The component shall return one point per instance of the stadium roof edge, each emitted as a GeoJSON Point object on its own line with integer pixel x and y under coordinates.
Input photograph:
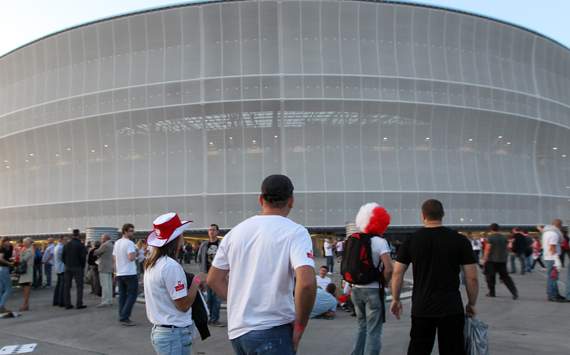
{"type": "Point", "coordinates": [202, 2]}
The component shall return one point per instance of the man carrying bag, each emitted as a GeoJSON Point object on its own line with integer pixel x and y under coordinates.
{"type": "Point", "coordinates": [367, 266]}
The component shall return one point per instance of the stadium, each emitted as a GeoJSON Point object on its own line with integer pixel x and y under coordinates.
{"type": "Point", "coordinates": [187, 108]}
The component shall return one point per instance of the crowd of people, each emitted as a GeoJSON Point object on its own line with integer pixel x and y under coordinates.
{"type": "Point", "coordinates": [271, 310]}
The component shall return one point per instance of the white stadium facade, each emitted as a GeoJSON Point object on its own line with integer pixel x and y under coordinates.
{"type": "Point", "coordinates": [187, 108]}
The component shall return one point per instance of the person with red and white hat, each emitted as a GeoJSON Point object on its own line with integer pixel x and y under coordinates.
{"type": "Point", "coordinates": [368, 296]}
{"type": "Point", "coordinates": [168, 297]}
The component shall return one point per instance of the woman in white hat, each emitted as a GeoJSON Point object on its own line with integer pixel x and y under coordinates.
{"type": "Point", "coordinates": [168, 296]}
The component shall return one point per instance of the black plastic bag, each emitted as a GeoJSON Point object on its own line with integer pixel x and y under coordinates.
{"type": "Point", "coordinates": [476, 341]}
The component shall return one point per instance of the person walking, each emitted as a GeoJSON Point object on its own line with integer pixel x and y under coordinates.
{"type": "Point", "coordinates": [207, 252]}
{"type": "Point", "coordinates": [537, 254]}
{"type": "Point", "coordinates": [368, 295]}
{"type": "Point", "coordinates": [26, 271]}
{"type": "Point", "coordinates": [264, 267]}
{"type": "Point", "coordinates": [105, 264]}
{"type": "Point", "coordinates": [6, 265]}
{"type": "Point", "coordinates": [168, 296]}
{"type": "Point", "coordinates": [551, 239]}
{"type": "Point", "coordinates": [124, 255]}
{"type": "Point", "coordinates": [59, 266]}
{"type": "Point", "coordinates": [74, 258]}
{"type": "Point", "coordinates": [328, 247]}
{"type": "Point", "coordinates": [437, 255]}
{"type": "Point", "coordinates": [47, 260]}
{"type": "Point", "coordinates": [519, 248]}
{"type": "Point", "coordinates": [495, 261]}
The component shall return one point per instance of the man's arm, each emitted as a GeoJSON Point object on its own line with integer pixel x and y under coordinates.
{"type": "Point", "coordinates": [388, 267]}
{"type": "Point", "coordinates": [486, 252]}
{"type": "Point", "coordinates": [4, 262]}
{"type": "Point", "coordinates": [397, 281]}
{"type": "Point", "coordinates": [472, 286]}
{"type": "Point", "coordinates": [132, 256]}
{"type": "Point", "coordinates": [101, 250]}
{"type": "Point", "coordinates": [305, 293]}
{"type": "Point", "coordinates": [218, 281]}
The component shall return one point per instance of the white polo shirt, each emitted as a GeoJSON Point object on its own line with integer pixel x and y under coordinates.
{"type": "Point", "coordinates": [164, 283]}
{"type": "Point", "coordinates": [262, 254]}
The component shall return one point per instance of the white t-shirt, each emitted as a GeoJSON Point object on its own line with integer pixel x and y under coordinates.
{"type": "Point", "coordinates": [323, 282]}
{"type": "Point", "coordinates": [262, 254]}
{"type": "Point", "coordinates": [379, 247]}
{"type": "Point", "coordinates": [550, 238]}
{"type": "Point", "coordinates": [164, 283]}
{"type": "Point", "coordinates": [328, 249]}
{"type": "Point", "coordinates": [339, 246]}
{"type": "Point", "coordinates": [125, 267]}
{"type": "Point", "coordinates": [476, 244]}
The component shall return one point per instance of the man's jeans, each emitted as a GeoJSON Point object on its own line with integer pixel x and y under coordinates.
{"type": "Point", "coordinates": [368, 307]}
{"type": "Point", "coordinates": [128, 286]}
{"type": "Point", "coordinates": [551, 285]}
{"type": "Point", "coordinates": [106, 279]}
{"type": "Point", "coordinates": [273, 341]}
{"type": "Point", "coordinates": [512, 259]}
{"type": "Point", "coordinates": [522, 260]}
{"type": "Point", "coordinates": [47, 272]}
{"type": "Point", "coordinates": [171, 341]}
{"type": "Point", "coordinates": [330, 263]}
{"type": "Point", "coordinates": [5, 285]}
{"type": "Point", "coordinates": [214, 305]}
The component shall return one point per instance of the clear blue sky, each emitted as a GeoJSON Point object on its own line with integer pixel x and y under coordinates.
{"type": "Point", "coordinates": [23, 21]}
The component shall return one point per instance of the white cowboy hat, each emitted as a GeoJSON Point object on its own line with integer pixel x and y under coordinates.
{"type": "Point", "coordinates": [166, 228]}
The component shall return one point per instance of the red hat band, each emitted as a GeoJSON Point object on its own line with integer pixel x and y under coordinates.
{"type": "Point", "coordinates": [165, 230]}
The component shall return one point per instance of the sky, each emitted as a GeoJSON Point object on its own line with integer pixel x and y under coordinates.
{"type": "Point", "coordinates": [23, 21]}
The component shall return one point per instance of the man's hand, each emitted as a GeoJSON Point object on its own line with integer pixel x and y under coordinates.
{"type": "Point", "coordinates": [397, 309]}
{"type": "Point", "coordinates": [298, 331]}
{"type": "Point", "coordinates": [470, 310]}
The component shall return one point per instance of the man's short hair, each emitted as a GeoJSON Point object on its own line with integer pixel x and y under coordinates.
{"type": "Point", "coordinates": [215, 226]}
{"type": "Point", "coordinates": [433, 210]}
{"type": "Point", "coordinates": [126, 227]}
{"type": "Point", "coordinates": [276, 190]}
{"type": "Point", "coordinates": [494, 227]}
{"type": "Point", "coordinates": [76, 233]}
{"type": "Point", "coordinates": [331, 288]}
{"type": "Point", "coordinates": [325, 267]}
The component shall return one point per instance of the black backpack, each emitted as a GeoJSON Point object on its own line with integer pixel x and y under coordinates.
{"type": "Point", "coordinates": [357, 265]}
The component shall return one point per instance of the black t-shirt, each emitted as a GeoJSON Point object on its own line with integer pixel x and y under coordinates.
{"type": "Point", "coordinates": [436, 255]}
{"type": "Point", "coordinates": [211, 251]}
{"type": "Point", "coordinates": [7, 252]}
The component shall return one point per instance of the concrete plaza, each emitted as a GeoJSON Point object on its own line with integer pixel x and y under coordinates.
{"type": "Point", "coordinates": [527, 326]}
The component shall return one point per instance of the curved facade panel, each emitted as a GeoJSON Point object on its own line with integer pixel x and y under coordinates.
{"type": "Point", "coordinates": [188, 108]}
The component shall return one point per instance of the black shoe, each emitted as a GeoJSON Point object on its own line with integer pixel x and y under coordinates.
{"type": "Point", "coordinates": [69, 307]}
{"type": "Point", "coordinates": [557, 300]}
{"type": "Point", "coordinates": [127, 323]}
{"type": "Point", "coordinates": [490, 295]}
{"type": "Point", "coordinates": [81, 307]}
{"type": "Point", "coordinates": [559, 297]}
{"type": "Point", "coordinates": [515, 297]}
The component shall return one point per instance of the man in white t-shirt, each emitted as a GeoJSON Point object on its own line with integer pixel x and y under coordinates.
{"type": "Point", "coordinates": [551, 239]}
{"type": "Point", "coordinates": [124, 256]}
{"type": "Point", "coordinates": [372, 219]}
{"type": "Point", "coordinates": [339, 248]}
{"type": "Point", "coordinates": [258, 267]}
{"type": "Point", "coordinates": [328, 246]}
{"type": "Point", "coordinates": [322, 280]}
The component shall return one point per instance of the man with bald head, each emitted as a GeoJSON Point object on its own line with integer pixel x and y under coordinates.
{"type": "Point", "coordinates": [47, 260]}
{"type": "Point", "coordinates": [105, 264]}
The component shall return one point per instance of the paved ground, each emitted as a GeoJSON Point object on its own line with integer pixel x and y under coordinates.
{"type": "Point", "coordinates": [524, 327]}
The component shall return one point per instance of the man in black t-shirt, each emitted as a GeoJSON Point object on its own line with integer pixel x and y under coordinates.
{"type": "Point", "coordinates": [206, 254]}
{"type": "Point", "coordinates": [437, 254]}
{"type": "Point", "coordinates": [5, 265]}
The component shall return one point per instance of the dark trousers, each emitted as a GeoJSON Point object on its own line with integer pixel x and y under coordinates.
{"type": "Point", "coordinates": [69, 276]}
{"type": "Point", "coordinates": [537, 260]}
{"type": "Point", "coordinates": [37, 276]}
{"type": "Point", "coordinates": [522, 260]}
{"type": "Point", "coordinates": [450, 337]}
{"type": "Point", "coordinates": [58, 291]}
{"type": "Point", "coordinates": [330, 263]}
{"type": "Point", "coordinates": [128, 286]}
{"type": "Point", "coordinates": [47, 271]}
{"type": "Point", "coordinates": [491, 269]}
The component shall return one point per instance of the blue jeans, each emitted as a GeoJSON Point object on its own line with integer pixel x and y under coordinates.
{"type": "Point", "coordinates": [368, 307]}
{"type": "Point", "coordinates": [551, 285]}
{"type": "Point", "coordinates": [171, 341]}
{"type": "Point", "coordinates": [128, 286]}
{"type": "Point", "coordinates": [330, 263]}
{"type": "Point", "coordinates": [512, 259]}
{"type": "Point", "coordinates": [273, 341]}
{"type": "Point", "coordinates": [47, 272]}
{"type": "Point", "coordinates": [5, 285]}
{"type": "Point", "coordinates": [214, 305]}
